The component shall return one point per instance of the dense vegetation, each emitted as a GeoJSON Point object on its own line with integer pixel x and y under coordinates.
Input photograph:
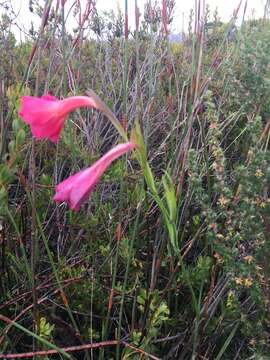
{"type": "Point", "coordinates": [169, 258]}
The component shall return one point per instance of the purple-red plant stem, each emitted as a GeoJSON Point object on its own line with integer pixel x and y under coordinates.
{"type": "Point", "coordinates": [32, 173]}
{"type": "Point", "coordinates": [78, 348]}
{"type": "Point", "coordinates": [165, 17]}
{"type": "Point", "coordinates": [137, 17]}
{"type": "Point", "coordinates": [40, 301]}
{"type": "Point", "coordinates": [126, 19]}
{"type": "Point", "coordinates": [82, 19]}
{"type": "Point", "coordinates": [71, 348]}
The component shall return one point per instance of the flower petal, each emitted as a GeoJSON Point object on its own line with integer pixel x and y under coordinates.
{"type": "Point", "coordinates": [46, 115]}
{"type": "Point", "coordinates": [75, 189]}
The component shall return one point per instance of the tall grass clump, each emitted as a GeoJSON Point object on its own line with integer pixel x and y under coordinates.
{"type": "Point", "coordinates": [169, 256]}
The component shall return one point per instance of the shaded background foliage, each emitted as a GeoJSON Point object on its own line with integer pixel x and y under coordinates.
{"type": "Point", "coordinates": [109, 270]}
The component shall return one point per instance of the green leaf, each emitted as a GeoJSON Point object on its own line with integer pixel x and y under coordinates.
{"type": "Point", "coordinates": [20, 138]}
{"type": "Point", "coordinates": [5, 175]}
{"type": "Point", "coordinates": [170, 196]}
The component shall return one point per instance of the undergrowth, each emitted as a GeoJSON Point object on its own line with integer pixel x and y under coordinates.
{"type": "Point", "coordinates": [169, 258]}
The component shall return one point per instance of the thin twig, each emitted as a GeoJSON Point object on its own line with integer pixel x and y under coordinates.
{"type": "Point", "coordinates": [78, 348]}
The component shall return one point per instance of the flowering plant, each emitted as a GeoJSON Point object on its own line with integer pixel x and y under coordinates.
{"type": "Point", "coordinates": [46, 115]}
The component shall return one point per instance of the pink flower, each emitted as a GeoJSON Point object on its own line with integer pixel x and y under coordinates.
{"type": "Point", "coordinates": [75, 189]}
{"type": "Point", "coordinates": [46, 115]}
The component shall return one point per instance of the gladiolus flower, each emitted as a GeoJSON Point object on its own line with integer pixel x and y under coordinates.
{"type": "Point", "coordinates": [76, 189]}
{"type": "Point", "coordinates": [46, 115]}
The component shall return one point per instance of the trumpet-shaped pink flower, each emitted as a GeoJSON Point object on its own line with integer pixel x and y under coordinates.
{"type": "Point", "coordinates": [75, 189]}
{"type": "Point", "coordinates": [46, 115]}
